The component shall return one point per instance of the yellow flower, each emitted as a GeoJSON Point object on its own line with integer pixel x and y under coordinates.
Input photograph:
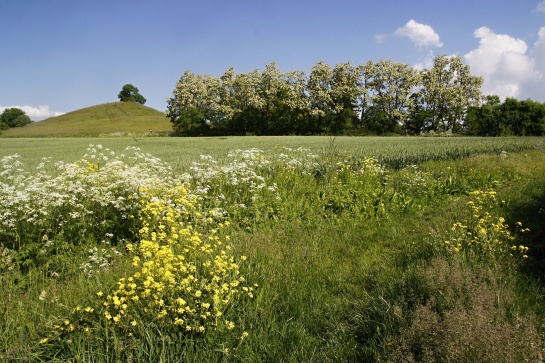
{"type": "Point", "coordinates": [116, 300]}
{"type": "Point", "coordinates": [230, 325]}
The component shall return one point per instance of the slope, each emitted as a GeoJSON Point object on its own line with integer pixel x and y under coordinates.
{"type": "Point", "coordinates": [108, 118]}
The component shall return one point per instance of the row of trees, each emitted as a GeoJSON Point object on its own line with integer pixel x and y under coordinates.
{"type": "Point", "coordinates": [376, 97]}
{"type": "Point", "coordinates": [13, 117]}
{"type": "Point", "coordinates": [512, 117]}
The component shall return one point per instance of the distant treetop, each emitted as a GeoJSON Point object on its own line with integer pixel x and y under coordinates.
{"type": "Point", "coordinates": [129, 93]}
{"type": "Point", "coordinates": [13, 117]}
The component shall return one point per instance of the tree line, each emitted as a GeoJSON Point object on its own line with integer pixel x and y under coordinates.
{"type": "Point", "coordinates": [383, 97]}
{"type": "Point", "coordinates": [510, 117]}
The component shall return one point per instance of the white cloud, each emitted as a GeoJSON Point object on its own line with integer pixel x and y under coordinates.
{"type": "Point", "coordinates": [505, 64]}
{"type": "Point", "coordinates": [427, 62]}
{"type": "Point", "coordinates": [534, 87]}
{"type": "Point", "coordinates": [541, 7]}
{"type": "Point", "coordinates": [538, 51]}
{"type": "Point", "coordinates": [35, 113]}
{"type": "Point", "coordinates": [420, 34]}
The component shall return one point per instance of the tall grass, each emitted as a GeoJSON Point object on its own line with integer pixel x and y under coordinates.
{"type": "Point", "coordinates": [345, 258]}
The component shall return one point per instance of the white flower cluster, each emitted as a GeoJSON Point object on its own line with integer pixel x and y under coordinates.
{"type": "Point", "coordinates": [100, 194]}
{"type": "Point", "coordinates": [300, 159]}
{"type": "Point", "coordinates": [99, 259]}
{"type": "Point", "coordinates": [243, 177]}
{"type": "Point", "coordinates": [6, 260]}
{"type": "Point", "coordinates": [85, 191]}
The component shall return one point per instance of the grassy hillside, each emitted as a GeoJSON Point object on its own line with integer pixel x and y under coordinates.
{"type": "Point", "coordinates": [108, 118]}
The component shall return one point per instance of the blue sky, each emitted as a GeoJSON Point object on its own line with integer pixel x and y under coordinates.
{"type": "Point", "coordinates": [62, 55]}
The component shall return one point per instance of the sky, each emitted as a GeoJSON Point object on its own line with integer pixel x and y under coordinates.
{"type": "Point", "coordinates": [58, 56]}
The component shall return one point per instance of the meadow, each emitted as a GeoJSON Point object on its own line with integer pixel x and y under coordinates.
{"type": "Point", "coordinates": [278, 249]}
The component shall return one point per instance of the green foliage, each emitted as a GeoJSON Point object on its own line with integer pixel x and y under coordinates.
{"type": "Point", "coordinates": [389, 86]}
{"type": "Point", "coordinates": [512, 117]}
{"type": "Point", "coordinates": [190, 122]}
{"type": "Point", "coordinates": [13, 117]}
{"type": "Point", "coordinates": [448, 89]}
{"type": "Point", "coordinates": [129, 93]}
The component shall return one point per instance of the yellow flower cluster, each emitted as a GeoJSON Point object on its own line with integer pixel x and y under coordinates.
{"type": "Point", "coordinates": [483, 235]}
{"type": "Point", "coordinates": [368, 166]}
{"type": "Point", "coordinates": [361, 171]}
{"type": "Point", "coordinates": [186, 276]}
{"type": "Point", "coordinates": [81, 319]}
{"type": "Point", "coordinates": [91, 167]}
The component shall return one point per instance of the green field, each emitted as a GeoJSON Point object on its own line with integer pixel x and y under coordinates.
{"type": "Point", "coordinates": [272, 249]}
{"type": "Point", "coordinates": [392, 151]}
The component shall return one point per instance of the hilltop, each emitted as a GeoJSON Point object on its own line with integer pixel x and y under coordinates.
{"type": "Point", "coordinates": [108, 118]}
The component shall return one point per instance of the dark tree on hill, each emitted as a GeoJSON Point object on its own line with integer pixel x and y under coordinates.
{"type": "Point", "coordinates": [129, 93]}
{"type": "Point", "coordinates": [14, 117]}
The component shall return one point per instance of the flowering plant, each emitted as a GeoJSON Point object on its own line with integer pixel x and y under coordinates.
{"type": "Point", "coordinates": [482, 235]}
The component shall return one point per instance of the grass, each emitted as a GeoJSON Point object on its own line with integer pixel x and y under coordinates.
{"type": "Point", "coordinates": [180, 152]}
{"type": "Point", "coordinates": [351, 265]}
{"type": "Point", "coordinates": [105, 119]}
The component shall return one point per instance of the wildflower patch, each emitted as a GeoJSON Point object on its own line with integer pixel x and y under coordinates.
{"type": "Point", "coordinates": [483, 236]}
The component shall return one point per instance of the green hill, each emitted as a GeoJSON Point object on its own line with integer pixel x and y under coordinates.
{"type": "Point", "coordinates": [108, 118]}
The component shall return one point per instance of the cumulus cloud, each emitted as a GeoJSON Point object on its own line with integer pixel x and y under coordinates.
{"type": "Point", "coordinates": [535, 87]}
{"type": "Point", "coordinates": [35, 113]}
{"type": "Point", "coordinates": [508, 68]}
{"type": "Point", "coordinates": [421, 34]}
{"type": "Point", "coordinates": [538, 51]}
